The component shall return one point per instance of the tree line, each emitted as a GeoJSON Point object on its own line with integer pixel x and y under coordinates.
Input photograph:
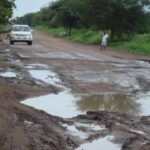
{"type": "Point", "coordinates": [120, 17]}
{"type": "Point", "coordinates": [6, 12]}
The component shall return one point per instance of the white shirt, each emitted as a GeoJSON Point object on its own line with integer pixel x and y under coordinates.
{"type": "Point", "coordinates": [104, 38]}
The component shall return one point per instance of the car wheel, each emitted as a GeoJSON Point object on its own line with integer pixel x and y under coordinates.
{"type": "Point", "coordinates": [29, 43]}
{"type": "Point", "coordinates": [12, 42]}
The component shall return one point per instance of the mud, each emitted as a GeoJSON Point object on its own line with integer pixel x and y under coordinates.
{"type": "Point", "coordinates": [83, 71]}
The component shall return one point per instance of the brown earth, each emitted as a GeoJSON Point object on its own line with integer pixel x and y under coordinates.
{"type": "Point", "coordinates": [25, 128]}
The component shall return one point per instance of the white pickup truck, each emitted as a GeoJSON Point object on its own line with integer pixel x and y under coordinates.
{"type": "Point", "coordinates": [21, 33]}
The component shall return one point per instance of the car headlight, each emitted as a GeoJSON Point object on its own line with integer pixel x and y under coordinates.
{"type": "Point", "coordinates": [29, 36]}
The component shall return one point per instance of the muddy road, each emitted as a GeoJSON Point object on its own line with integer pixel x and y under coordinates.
{"type": "Point", "coordinates": [57, 95]}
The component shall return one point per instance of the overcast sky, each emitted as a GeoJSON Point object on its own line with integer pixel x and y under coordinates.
{"type": "Point", "coordinates": [27, 6]}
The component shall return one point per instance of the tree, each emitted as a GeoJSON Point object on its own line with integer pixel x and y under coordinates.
{"type": "Point", "coordinates": [118, 16]}
{"type": "Point", "coordinates": [6, 10]}
{"type": "Point", "coordinates": [69, 18]}
{"type": "Point", "coordinates": [26, 19]}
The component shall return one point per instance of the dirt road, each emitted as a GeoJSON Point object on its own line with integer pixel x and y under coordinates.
{"type": "Point", "coordinates": [102, 80]}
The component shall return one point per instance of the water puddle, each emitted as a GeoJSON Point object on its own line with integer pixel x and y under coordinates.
{"type": "Point", "coordinates": [61, 104]}
{"type": "Point", "coordinates": [82, 130]}
{"type": "Point", "coordinates": [46, 76]}
{"type": "Point", "coordinates": [28, 122]}
{"type": "Point", "coordinates": [144, 101]}
{"type": "Point", "coordinates": [135, 105]}
{"type": "Point", "coordinates": [8, 74]}
{"type": "Point", "coordinates": [66, 105]}
{"type": "Point", "coordinates": [75, 132]}
{"type": "Point", "coordinates": [105, 143]}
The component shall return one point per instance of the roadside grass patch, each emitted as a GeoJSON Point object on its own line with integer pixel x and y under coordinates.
{"type": "Point", "coordinates": [138, 45]}
{"type": "Point", "coordinates": [86, 36]}
{"type": "Point", "coordinates": [52, 31]}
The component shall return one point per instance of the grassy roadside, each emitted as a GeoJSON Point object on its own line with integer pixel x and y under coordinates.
{"type": "Point", "coordinates": [139, 45]}
{"type": "Point", "coordinates": [4, 28]}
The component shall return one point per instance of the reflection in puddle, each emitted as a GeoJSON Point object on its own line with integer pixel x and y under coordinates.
{"type": "Point", "coordinates": [8, 74]}
{"type": "Point", "coordinates": [105, 143]}
{"type": "Point", "coordinates": [66, 105]}
{"type": "Point", "coordinates": [135, 105]}
{"type": "Point", "coordinates": [116, 103]}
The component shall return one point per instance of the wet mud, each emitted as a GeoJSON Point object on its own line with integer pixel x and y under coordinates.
{"type": "Point", "coordinates": [68, 96]}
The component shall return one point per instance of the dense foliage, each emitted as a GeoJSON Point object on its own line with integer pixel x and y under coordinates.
{"type": "Point", "coordinates": [6, 10]}
{"type": "Point", "coordinates": [123, 18]}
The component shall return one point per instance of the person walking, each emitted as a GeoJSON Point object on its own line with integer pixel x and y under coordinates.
{"type": "Point", "coordinates": [104, 41]}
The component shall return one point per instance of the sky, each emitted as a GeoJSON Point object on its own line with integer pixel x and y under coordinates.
{"type": "Point", "coordinates": [28, 6]}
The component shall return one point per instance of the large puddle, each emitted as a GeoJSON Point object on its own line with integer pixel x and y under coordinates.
{"type": "Point", "coordinates": [65, 104]}
{"type": "Point", "coordinates": [62, 104]}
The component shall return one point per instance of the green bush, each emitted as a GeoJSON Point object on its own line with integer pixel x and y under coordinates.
{"type": "Point", "coordinates": [139, 45]}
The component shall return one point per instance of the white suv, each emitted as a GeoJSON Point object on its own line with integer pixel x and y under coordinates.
{"type": "Point", "coordinates": [21, 33]}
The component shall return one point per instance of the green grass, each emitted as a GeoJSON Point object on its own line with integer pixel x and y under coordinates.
{"type": "Point", "coordinates": [54, 32]}
{"type": "Point", "coordinates": [4, 28]}
{"type": "Point", "coordinates": [138, 45]}
{"type": "Point", "coordinates": [86, 36]}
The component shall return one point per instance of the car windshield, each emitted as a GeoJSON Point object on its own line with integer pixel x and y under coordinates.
{"type": "Point", "coordinates": [21, 28]}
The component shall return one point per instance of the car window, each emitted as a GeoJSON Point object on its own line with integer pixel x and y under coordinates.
{"type": "Point", "coordinates": [20, 28]}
